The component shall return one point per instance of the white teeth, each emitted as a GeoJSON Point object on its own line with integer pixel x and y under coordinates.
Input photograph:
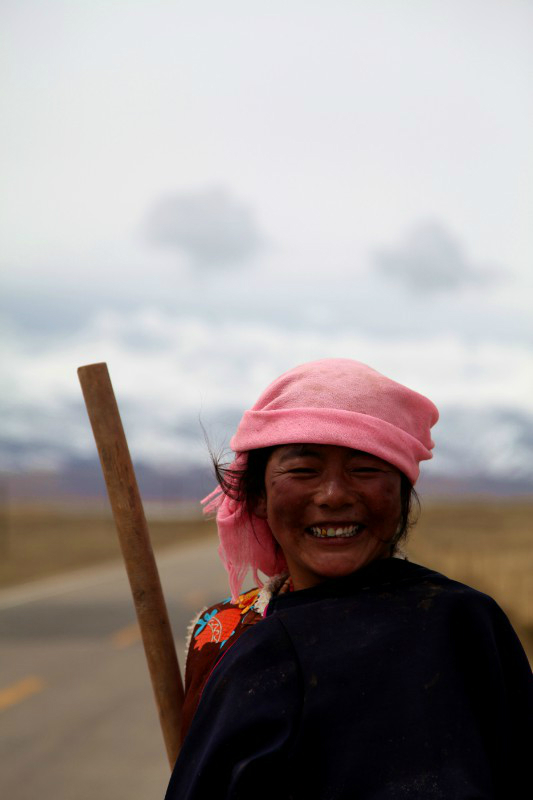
{"type": "Point", "coordinates": [350, 530]}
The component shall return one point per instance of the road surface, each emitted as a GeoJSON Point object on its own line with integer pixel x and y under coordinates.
{"type": "Point", "coordinates": [77, 716]}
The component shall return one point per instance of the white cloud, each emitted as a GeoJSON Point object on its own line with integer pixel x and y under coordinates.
{"type": "Point", "coordinates": [430, 260]}
{"type": "Point", "coordinates": [211, 227]}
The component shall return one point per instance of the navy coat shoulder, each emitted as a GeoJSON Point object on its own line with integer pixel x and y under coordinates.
{"type": "Point", "coordinates": [394, 683]}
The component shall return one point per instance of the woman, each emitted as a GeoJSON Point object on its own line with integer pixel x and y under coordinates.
{"type": "Point", "coordinates": [352, 673]}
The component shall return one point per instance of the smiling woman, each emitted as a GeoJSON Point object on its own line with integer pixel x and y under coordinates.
{"type": "Point", "coordinates": [349, 672]}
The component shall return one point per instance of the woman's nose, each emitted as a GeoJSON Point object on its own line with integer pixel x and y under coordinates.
{"type": "Point", "coordinates": [334, 491]}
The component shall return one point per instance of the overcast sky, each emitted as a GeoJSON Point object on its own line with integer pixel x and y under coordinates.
{"type": "Point", "coordinates": [205, 194]}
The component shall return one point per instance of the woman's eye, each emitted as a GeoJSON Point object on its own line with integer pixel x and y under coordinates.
{"type": "Point", "coordinates": [302, 470]}
{"type": "Point", "coordinates": [364, 469]}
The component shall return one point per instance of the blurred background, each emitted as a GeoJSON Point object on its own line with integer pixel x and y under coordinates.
{"type": "Point", "coordinates": [204, 195]}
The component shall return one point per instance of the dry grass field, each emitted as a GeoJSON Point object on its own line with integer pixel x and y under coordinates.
{"type": "Point", "coordinates": [487, 544]}
{"type": "Point", "coordinates": [41, 540]}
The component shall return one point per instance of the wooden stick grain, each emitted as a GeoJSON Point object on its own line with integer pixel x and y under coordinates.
{"type": "Point", "coordinates": [137, 550]}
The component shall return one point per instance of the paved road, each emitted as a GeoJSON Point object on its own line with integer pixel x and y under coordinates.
{"type": "Point", "coordinates": [77, 717]}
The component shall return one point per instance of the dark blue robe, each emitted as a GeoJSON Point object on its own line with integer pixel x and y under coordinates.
{"type": "Point", "coordinates": [393, 683]}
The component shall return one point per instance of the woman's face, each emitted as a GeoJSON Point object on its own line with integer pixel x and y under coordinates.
{"type": "Point", "coordinates": [332, 509]}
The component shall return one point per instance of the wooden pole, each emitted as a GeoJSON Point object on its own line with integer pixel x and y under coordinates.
{"type": "Point", "coordinates": [137, 550]}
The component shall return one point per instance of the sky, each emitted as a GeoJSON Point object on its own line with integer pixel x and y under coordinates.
{"type": "Point", "coordinates": [204, 195]}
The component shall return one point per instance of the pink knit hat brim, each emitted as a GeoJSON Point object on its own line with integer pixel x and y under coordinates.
{"type": "Point", "coordinates": [333, 426]}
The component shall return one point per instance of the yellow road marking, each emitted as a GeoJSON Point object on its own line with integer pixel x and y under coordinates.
{"type": "Point", "coordinates": [126, 636]}
{"type": "Point", "coordinates": [19, 691]}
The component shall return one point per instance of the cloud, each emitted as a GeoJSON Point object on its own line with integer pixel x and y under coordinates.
{"type": "Point", "coordinates": [432, 260]}
{"type": "Point", "coordinates": [212, 228]}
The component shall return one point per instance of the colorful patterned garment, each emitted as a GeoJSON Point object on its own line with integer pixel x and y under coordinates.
{"type": "Point", "coordinates": [214, 630]}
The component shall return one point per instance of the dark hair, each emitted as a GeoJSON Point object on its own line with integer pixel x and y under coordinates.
{"type": "Point", "coordinates": [247, 486]}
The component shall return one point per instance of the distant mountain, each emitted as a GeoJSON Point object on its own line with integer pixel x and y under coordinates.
{"type": "Point", "coordinates": [483, 485]}
{"type": "Point", "coordinates": [83, 479]}
{"type": "Point", "coordinates": [493, 442]}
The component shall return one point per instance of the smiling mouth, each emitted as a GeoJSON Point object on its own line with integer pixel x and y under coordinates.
{"type": "Point", "coordinates": [345, 532]}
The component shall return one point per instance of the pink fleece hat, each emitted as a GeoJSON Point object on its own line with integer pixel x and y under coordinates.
{"type": "Point", "coordinates": [333, 401]}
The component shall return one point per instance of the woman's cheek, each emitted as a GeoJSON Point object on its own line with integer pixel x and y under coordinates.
{"type": "Point", "coordinates": [390, 490]}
